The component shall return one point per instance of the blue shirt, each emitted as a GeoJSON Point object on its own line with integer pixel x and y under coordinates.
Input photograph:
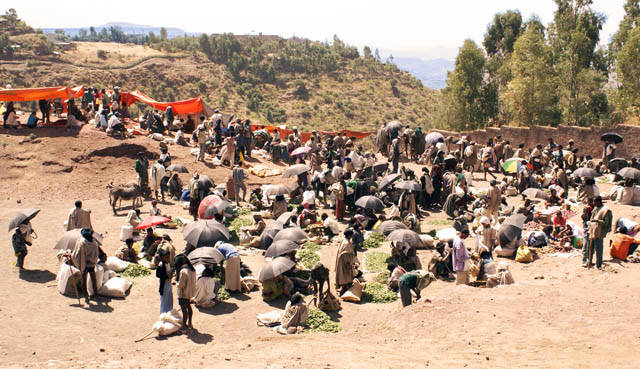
{"type": "Point", "coordinates": [31, 122]}
{"type": "Point", "coordinates": [227, 250]}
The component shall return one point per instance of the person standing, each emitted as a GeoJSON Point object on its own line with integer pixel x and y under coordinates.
{"type": "Point", "coordinates": [45, 109]}
{"type": "Point", "coordinates": [142, 168]}
{"type": "Point", "coordinates": [599, 227]}
{"type": "Point", "coordinates": [164, 273]}
{"type": "Point", "coordinates": [79, 217]}
{"type": "Point", "coordinates": [20, 240]}
{"type": "Point", "coordinates": [460, 256]}
{"type": "Point", "coordinates": [239, 176]}
{"type": "Point", "coordinates": [186, 281]}
{"type": "Point", "coordinates": [232, 278]}
{"type": "Point", "coordinates": [494, 198]}
{"type": "Point", "coordinates": [194, 196]}
{"type": "Point", "coordinates": [346, 263]}
{"type": "Point", "coordinates": [395, 154]}
{"type": "Point", "coordinates": [201, 136]}
{"type": "Point", "coordinates": [415, 280]}
{"type": "Point", "coordinates": [156, 173]}
{"type": "Point", "coordinates": [85, 257]}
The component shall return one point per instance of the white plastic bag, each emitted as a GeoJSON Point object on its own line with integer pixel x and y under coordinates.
{"type": "Point", "coordinates": [116, 264]}
{"type": "Point", "coordinates": [115, 287]}
{"type": "Point", "coordinates": [126, 231]}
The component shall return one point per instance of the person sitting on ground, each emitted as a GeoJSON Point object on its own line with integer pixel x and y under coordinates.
{"type": "Point", "coordinates": [559, 223]}
{"type": "Point", "coordinates": [305, 217]}
{"type": "Point", "coordinates": [32, 121]}
{"type": "Point", "coordinates": [331, 227]}
{"type": "Point", "coordinates": [175, 186]}
{"type": "Point", "coordinates": [133, 218]}
{"type": "Point", "coordinates": [554, 199]}
{"type": "Point", "coordinates": [357, 238]}
{"type": "Point", "coordinates": [255, 199]}
{"type": "Point", "coordinates": [126, 252]}
{"type": "Point", "coordinates": [622, 245]}
{"type": "Point", "coordinates": [395, 272]}
{"type": "Point", "coordinates": [150, 243]}
{"type": "Point", "coordinates": [155, 211]}
{"type": "Point", "coordinates": [295, 314]}
{"type": "Point", "coordinates": [276, 287]}
{"type": "Point", "coordinates": [278, 207]}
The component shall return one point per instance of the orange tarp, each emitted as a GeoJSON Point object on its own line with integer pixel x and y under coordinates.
{"type": "Point", "coordinates": [31, 94]}
{"type": "Point", "coordinates": [306, 135]}
{"type": "Point", "coordinates": [190, 106]}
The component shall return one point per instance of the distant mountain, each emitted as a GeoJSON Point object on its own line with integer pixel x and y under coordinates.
{"type": "Point", "coordinates": [127, 28]}
{"type": "Point", "coordinates": [432, 73]}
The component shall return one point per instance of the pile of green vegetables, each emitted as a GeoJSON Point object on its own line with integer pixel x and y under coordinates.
{"type": "Point", "coordinates": [307, 257]}
{"type": "Point", "coordinates": [135, 271]}
{"type": "Point", "coordinates": [374, 240]}
{"type": "Point", "coordinates": [223, 294]}
{"type": "Point", "coordinates": [235, 226]}
{"type": "Point", "coordinates": [319, 321]}
{"type": "Point", "coordinates": [376, 261]}
{"type": "Point", "coordinates": [378, 293]}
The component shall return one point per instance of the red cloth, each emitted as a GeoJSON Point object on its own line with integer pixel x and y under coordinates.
{"type": "Point", "coordinates": [190, 106]}
{"type": "Point", "coordinates": [40, 93]}
{"type": "Point", "coordinates": [305, 136]}
{"type": "Point", "coordinates": [557, 222]}
{"type": "Point", "coordinates": [620, 245]}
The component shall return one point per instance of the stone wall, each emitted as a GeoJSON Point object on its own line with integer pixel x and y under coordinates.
{"type": "Point", "coordinates": [586, 139]}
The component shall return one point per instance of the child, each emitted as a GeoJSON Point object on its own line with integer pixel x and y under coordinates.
{"type": "Point", "coordinates": [164, 272]}
{"type": "Point", "coordinates": [559, 223]}
{"type": "Point", "coordinates": [186, 280]}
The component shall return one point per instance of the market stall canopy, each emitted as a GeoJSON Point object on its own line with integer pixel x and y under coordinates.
{"type": "Point", "coordinates": [190, 106]}
{"type": "Point", "coordinates": [41, 93]}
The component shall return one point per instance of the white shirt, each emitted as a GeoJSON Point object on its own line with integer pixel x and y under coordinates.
{"type": "Point", "coordinates": [332, 225]}
{"type": "Point", "coordinates": [440, 146]}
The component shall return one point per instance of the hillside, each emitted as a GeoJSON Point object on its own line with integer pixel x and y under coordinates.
{"type": "Point", "coordinates": [349, 91]}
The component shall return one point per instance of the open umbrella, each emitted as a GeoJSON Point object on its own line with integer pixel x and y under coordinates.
{"type": "Point", "coordinates": [629, 173]}
{"type": "Point", "coordinates": [433, 137]}
{"type": "Point", "coordinates": [585, 172]}
{"type": "Point", "coordinates": [370, 202]}
{"type": "Point", "coordinates": [408, 185]}
{"type": "Point", "coordinates": [512, 165]}
{"type": "Point", "coordinates": [394, 125]}
{"type": "Point", "coordinates": [69, 239]}
{"type": "Point", "coordinates": [205, 255]}
{"type": "Point", "coordinates": [380, 167]}
{"type": "Point", "coordinates": [205, 232]}
{"type": "Point", "coordinates": [275, 267]}
{"type": "Point", "coordinates": [22, 216]}
{"type": "Point", "coordinates": [269, 232]}
{"type": "Point", "coordinates": [205, 183]}
{"type": "Point", "coordinates": [611, 137]}
{"type": "Point", "coordinates": [301, 150]}
{"type": "Point", "coordinates": [535, 193]}
{"type": "Point", "coordinates": [178, 168]}
{"type": "Point", "coordinates": [295, 170]}
{"type": "Point", "coordinates": [511, 229]}
{"type": "Point", "coordinates": [387, 180]}
{"type": "Point", "coordinates": [617, 164]}
{"type": "Point", "coordinates": [281, 247]}
{"type": "Point", "coordinates": [212, 205]}
{"type": "Point", "coordinates": [404, 235]}
{"type": "Point", "coordinates": [284, 217]}
{"type": "Point", "coordinates": [152, 221]}
{"type": "Point", "coordinates": [294, 234]}
{"type": "Point", "coordinates": [389, 226]}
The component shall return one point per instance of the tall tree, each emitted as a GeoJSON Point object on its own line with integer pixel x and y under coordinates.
{"type": "Point", "coordinates": [464, 91]}
{"type": "Point", "coordinates": [530, 96]}
{"type": "Point", "coordinates": [574, 35]}
{"type": "Point", "coordinates": [630, 21]}
{"type": "Point", "coordinates": [163, 34]}
{"type": "Point", "coordinates": [629, 69]}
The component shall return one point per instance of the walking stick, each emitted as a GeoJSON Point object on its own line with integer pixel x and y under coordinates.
{"type": "Point", "coordinates": [73, 279]}
{"type": "Point", "coordinates": [589, 251]}
{"type": "Point", "coordinates": [143, 338]}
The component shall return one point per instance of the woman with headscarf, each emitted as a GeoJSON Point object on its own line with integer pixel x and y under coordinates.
{"type": "Point", "coordinates": [9, 117]}
{"type": "Point", "coordinates": [164, 272]}
{"type": "Point", "coordinates": [346, 263]}
{"type": "Point", "coordinates": [186, 280]}
{"type": "Point", "coordinates": [85, 257]}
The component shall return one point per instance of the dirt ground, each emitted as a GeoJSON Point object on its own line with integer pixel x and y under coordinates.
{"type": "Point", "coordinates": [572, 317]}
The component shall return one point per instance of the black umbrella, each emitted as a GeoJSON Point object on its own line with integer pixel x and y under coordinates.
{"type": "Point", "coordinates": [611, 137]}
{"type": "Point", "coordinates": [389, 226]}
{"type": "Point", "coordinates": [585, 173]}
{"type": "Point", "coordinates": [285, 217]}
{"type": "Point", "coordinates": [394, 125]}
{"type": "Point", "coordinates": [179, 168]}
{"type": "Point", "coordinates": [205, 183]}
{"type": "Point", "coordinates": [629, 173]}
{"type": "Point", "coordinates": [433, 137]}
{"type": "Point", "coordinates": [387, 180]}
{"type": "Point", "coordinates": [205, 232]}
{"type": "Point", "coordinates": [370, 202]}
{"type": "Point", "coordinates": [281, 247]}
{"type": "Point", "coordinates": [294, 234]}
{"type": "Point", "coordinates": [511, 229]}
{"type": "Point", "coordinates": [22, 216]}
{"type": "Point", "coordinates": [617, 164]}
{"type": "Point", "coordinates": [275, 267]}
{"type": "Point", "coordinates": [404, 235]}
{"type": "Point", "coordinates": [366, 172]}
{"type": "Point", "coordinates": [408, 185]}
{"type": "Point", "coordinates": [70, 238]}
{"type": "Point", "coordinates": [205, 255]}
{"type": "Point", "coordinates": [295, 170]}
{"type": "Point", "coordinates": [450, 160]}
{"type": "Point", "coordinates": [270, 231]}
{"type": "Point", "coordinates": [380, 167]}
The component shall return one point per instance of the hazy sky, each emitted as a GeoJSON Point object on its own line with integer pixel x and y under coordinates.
{"type": "Point", "coordinates": [426, 28]}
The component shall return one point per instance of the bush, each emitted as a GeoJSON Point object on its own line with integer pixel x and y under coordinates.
{"type": "Point", "coordinates": [101, 54]}
{"type": "Point", "coordinates": [300, 90]}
